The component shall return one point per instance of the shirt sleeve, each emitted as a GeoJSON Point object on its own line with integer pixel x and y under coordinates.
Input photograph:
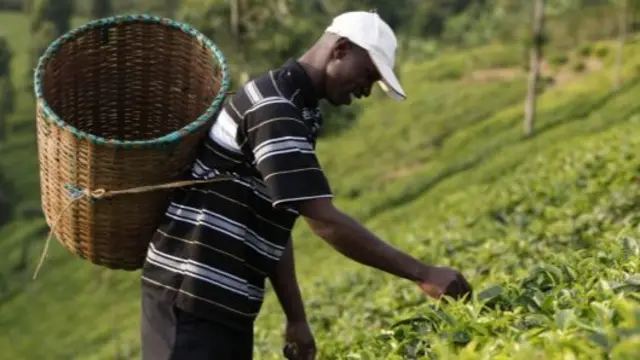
{"type": "Point", "coordinates": [284, 155]}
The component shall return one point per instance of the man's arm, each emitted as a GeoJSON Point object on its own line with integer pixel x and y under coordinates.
{"type": "Point", "coordinates": [353, 240]}
{"type": "Point", "coordinates": [356, 242]}
{"type": "Point", "coordinates": [286, 287]}
{"type": "Point", "coordinates": [294, 178]}
{"type": "Point", "coordinates": [298, 335]}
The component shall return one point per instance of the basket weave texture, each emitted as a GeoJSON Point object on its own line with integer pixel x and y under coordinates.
{"type": "Point", "coordinates": [122, 102]}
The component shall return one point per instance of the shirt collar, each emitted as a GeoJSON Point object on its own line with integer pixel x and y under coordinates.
{"type": "Point", "coordinates": [296, 75]}
{"type": "Point", "coordinates": [298, 79]}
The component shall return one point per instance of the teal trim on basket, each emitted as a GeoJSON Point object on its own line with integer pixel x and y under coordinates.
{"type": "Point", "coordinates": [160, 142]}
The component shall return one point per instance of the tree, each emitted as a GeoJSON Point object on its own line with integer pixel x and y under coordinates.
{"type": "Point", "coordinates": [263, 32]}
{"type": "Point", "coordinates": [6, 200]}
{"type": "Point", "coordinates": [534, 71]}
{"type": "Point", "coordinates": [623, 18]}
{"type": "Point", "coordinates": [49, 19]}
{"type": "Point", "coordinates": [101, 8]}
{"type": "Point", "coordinates": [6, 87]}
{"type": "Point", "coordinates": [6, 55]}
{"type": "Point", "coordinates": [60, 13]}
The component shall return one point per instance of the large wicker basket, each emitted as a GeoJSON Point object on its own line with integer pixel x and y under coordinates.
{"type": "Point", "coordinates": [122, 103]}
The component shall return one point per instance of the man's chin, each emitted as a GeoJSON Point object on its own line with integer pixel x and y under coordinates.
{"type": "Point", "coordinates": [336, 103]}
{"type": "Point", "coordinates": [342, 102]}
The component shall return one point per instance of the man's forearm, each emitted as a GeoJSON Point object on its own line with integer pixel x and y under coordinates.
{"type": "Point", "coordinates": [286, 287]}
{"type": "Point", "coordinates": [353, 240]}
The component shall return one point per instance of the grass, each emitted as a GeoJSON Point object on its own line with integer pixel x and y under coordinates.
{"type": "Point", "coordinates": [546, 228]}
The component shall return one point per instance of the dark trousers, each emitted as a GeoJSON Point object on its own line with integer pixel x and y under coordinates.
{"type": "Point", "coordinates": [169, 333]}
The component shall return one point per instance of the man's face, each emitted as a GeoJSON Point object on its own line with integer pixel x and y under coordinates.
{"type": "Point", "coordinates": [350, 72]}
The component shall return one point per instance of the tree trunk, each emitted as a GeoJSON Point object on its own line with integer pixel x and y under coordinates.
{"type": "Point", "coordinates": [2, 135]}
{"type": "Point", "coordinates": [622, 33]}
{"type": "Point", "coordinates": [21, 266]}
{"type": "Point", "coordinates": [535, 56]}
{"type": "Point", "coordinates": [235, 22]}
{"type": "Point", "coordinates": [101, 8]}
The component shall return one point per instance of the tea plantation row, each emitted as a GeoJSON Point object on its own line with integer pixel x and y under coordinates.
{"type": "Point", "coordinates": [553, 250]}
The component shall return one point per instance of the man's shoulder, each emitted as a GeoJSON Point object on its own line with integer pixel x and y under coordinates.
{"type": "Point", "coordinates": [271, 84]}
{"type": "Point", "coordinates": [260, 95]}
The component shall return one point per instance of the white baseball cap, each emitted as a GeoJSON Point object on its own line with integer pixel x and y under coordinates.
{"type": "Point", "coordinates": [367, 30]}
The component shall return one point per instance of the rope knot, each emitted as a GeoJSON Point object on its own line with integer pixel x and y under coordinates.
{"type": "Point", "coordinates": [97, 194]}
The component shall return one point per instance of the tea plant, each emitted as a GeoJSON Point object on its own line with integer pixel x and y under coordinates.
{"type": "Point", "coordinates": [553, 250]}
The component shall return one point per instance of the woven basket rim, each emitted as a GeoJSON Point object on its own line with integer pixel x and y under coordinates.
{"type": "Point", "coordinates": [158, 142]}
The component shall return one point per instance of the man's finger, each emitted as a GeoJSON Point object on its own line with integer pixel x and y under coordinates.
{"type": "Point", "coordinates": [311, 355]}
{"type": "Point", "coordinates": [300, 351]}
{"type": "Point", "coordinates": [289, 351]}
{"type": "Point", "coordinates": [308, 351]}
{"type": "Point", "coordinates": [454, 289]}
{"type": "Point", "coordinates": [466, 287]}
{"type": "Point", "coordinates": [431, 290]}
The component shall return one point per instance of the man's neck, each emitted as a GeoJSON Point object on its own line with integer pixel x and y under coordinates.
{"type": "Point", "coordinates": [313, 65]}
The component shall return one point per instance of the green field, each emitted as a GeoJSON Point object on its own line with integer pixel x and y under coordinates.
{"type": "Point", "coordinates": [546, 228]}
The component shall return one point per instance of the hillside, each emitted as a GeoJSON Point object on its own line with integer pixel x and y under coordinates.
{"type": "Point", "coordinates": [546, 228]}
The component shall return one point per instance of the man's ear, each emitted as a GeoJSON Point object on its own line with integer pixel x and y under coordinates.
{"type": "Point", "coordinates": [340, 48]}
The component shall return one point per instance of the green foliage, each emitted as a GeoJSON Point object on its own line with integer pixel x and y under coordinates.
{"type": "Point", "coordinates": [6, 199]}
{"type": "Point", "coordinates": [7, 104]}
{"type": "Point", "coordinates": [456, 64]}
{"type": "Point", "coordinates": [5, 57]}
{"type": "Point", "coordinates": [602, 51]}
{"type": "Point", "coordinates": [49, 20]}
{"type": "Point", "coordinates": [7, 98]}
{"type": "Point", "coordinates": [41, 37]}
{"type": "Point", "coordinates": [552, 248]}
{"type": "Point", "coordinates": [60, 13]}
{"type": "Point", "coordinates": [568, 23]}
{"type": "Point", "coordinates": [579, 66]}
{"type": "Point", "coordinates": [585, 50]}
{"type": "Point", "coordinates": [253, 49]}
{"type": "Point", "coordinates": [101, 8]}
{"type": "Point", "coordinates": [558, 60]}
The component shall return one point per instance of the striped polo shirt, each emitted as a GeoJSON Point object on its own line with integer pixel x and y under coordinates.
{"type": "Point", "coordinates": [217, 242]}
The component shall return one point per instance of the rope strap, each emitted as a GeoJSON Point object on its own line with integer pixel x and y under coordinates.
{"type": "Point", "coordinates": [78, 194]}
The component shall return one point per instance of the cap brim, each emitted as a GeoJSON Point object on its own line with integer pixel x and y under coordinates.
{"type": "Point", "coordinates": [389, 83]}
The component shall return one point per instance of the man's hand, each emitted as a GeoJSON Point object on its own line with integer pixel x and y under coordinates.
{"type": "Point", "coordinates": [300, 344]}
{"type": "Point", "coordinates": [438, 281]}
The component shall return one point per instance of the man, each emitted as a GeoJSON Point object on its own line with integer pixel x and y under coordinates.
{"type": "Point", "coordinates": [203, 280]}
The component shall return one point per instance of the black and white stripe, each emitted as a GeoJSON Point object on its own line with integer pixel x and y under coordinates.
{"type": "Point", "coordinates": [204, 272]}
{"type": "Point", "coordinates": [280, 146]}
{"type": "Point", "coordinates": [225, 226]}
